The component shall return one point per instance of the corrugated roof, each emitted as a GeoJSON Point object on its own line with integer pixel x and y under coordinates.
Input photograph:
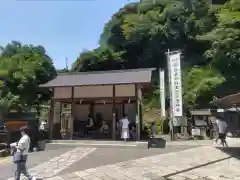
{"type": "Point", "coordinates": [131, 76]}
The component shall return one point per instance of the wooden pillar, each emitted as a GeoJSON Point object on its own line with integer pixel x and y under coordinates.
{"type": "Point", "coordinates": [140, 114]}
{"type": "Point", "coordinates": [92, 109]}
{"type": "Point", "coordinates": [72, 114]}
{"type": "Point", "coordinates": [50, 120]}
{"type": "Point", "coordinates": [114, 114]}
{"type": "Point", "coordinates": [138, 105]}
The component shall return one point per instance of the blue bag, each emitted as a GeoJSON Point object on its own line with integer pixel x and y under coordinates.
{"type": "Point", "coordinates": [19, 157]}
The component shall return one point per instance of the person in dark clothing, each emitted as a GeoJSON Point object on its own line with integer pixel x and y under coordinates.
{"type": "Point", "coordinates": [153, 129]}
{"type": "Point", "coordinates": [89, 126]}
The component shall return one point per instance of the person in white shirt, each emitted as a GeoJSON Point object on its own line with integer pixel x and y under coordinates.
{"type": "Point", "coordinates": [222, 127]}
{"type": "Point", "coordinates": [43, 128]}
{"type": "Point", "coordinates": [125, 128]}
{"type": "Point", "coordinates": [22, 147]}
{"type": "Point", "coordinates": [43, 125]}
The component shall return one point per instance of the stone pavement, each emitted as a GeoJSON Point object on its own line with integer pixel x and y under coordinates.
{"type": "Point", "coordinates": [47, 163]}
{"type": "Point", "coordinates": [59, 163]}
{"type": "Point", "coordinates": [232, 142]}
{"type": "Point", "coordinates": [178, 160]}
{"type": "Point", "coordinates": [203, 162]}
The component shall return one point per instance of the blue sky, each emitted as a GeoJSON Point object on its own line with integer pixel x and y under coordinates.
{"type": "Point", "coordinates": [63, 27]}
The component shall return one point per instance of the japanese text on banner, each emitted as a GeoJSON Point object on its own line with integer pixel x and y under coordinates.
{"type": "Point", "coordinates": [176, 84]}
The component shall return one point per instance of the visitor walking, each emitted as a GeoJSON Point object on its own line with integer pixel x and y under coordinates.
{"type": "Point", "coordinates": [125, 128]}
{"type": "Point", "coordinates": [213, 128]}
{"type": "Point", "coordinates": [89, 126]}
{"type": "Point", "coordinates": [20, 154]}
{"type": "Point", "coordinates": [222, 130]}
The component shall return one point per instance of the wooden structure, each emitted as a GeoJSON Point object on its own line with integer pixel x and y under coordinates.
{"type": "Point", "coordinates": [229, 101]}
{"type": "Point", "coordinates": [231, 112]}
{"type": "Point", "coordinates": [107, 91]}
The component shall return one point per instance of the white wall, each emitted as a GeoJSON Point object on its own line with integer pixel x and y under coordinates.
{"type": "Point", "coordinates": [95, 91]}
{"type": "Point", "coordinates": [127, 90]}
{"type": "Point", "coordinates": [62, 92]}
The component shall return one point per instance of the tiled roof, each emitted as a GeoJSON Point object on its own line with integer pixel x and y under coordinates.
{"type": "Point", "coordinates": [131, 76]}
{"type": "Point", "coordinates": [228, 101]}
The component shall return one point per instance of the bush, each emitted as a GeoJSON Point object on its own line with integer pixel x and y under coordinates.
{"type": "Point", "coordinates": [165, 127]}
{"type": "Point", "coordinates": [159, 126]}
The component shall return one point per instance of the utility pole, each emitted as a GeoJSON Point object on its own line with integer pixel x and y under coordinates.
{"type": "Point", "coordinates": [162, 95]}
{"type": "Point", "coordinates": [66, 63]}
{"type": "Point", "coordinates": [162, 91]}
{"type": "Point", "coordinates": [170, 100]}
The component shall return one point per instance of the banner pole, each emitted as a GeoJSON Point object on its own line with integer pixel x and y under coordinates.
{"type": "Point", "coordinates": [170, 99]}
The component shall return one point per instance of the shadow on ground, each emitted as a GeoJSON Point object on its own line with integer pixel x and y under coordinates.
{"type": "Point", "coordinates": [195, 167]}
{"type": "Point", "coordinates": [232, 151]}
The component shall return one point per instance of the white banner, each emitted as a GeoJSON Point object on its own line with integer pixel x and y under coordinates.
{"type": "Point", "coordinates": [176, 83]}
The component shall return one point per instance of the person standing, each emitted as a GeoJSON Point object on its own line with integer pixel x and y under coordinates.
{"type": "Point", "coordinates": [43, 129]}
{"type": "Point", "coordinates": [89, 125]}
{"type": "Point", "coordinates": [118, 128]}
{"type": "Point", "coordinates": [222, 130]}
{"type": "Point", "coordinates": [125, 128]}
{"type": "Point", "coordinates": [213, 128]}
{"type": "Point", "coordinates": [153, 129]}
{"type": "Point", "coordinates": [21, 153]}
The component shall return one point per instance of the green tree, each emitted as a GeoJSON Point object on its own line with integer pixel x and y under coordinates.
{"type": "Point", "coordinates": [139, 34]}
{"type": "Point", "coordinates": [198, 84]}
{"type": "Point", "coordinates": [144, 31]}
{"type": "Point", "coordinates": [7, 98]}
{"type": "Point", "coordinates": [224, 53]}
{"type": "Point", "coordinates": [28, 66]}
{"type": "Point", "coordinates": [64, 70]}
{"type": "Point", "coordinates": [98, 59]}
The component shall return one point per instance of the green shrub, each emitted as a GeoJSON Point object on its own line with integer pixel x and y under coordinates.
{"type": "Point", "coordinates": [159, 126]}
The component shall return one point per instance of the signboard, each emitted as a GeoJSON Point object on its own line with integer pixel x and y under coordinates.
{"type": "Point", "coordinates": [15, 125]}
{"type": "Point", "coordinates": [196, 132]}
{"type": "Point", "coordinates": [199, 122]}
{"type": "Point", "coordinates": [175, 83]}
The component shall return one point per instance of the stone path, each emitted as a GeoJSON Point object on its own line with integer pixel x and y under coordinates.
{"type": "Point", "coordinates": [204, 162]}
{"type": "Point", "coordinates": [59, 163]}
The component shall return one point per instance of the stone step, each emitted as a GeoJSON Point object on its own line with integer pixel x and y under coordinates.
{"type": "Point", "coordinates": [101, 143]}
